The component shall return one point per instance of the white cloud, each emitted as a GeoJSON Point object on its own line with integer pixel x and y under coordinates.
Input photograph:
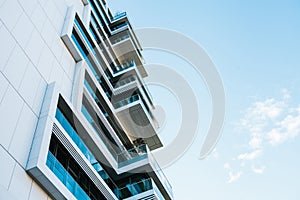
{"type": "Point", "coordinates": [267, 123]}
{"type": "Point", "coordinates": [259, 170]}
{"type": "Point", "coordinates": [285, 93]}
{"type": "Point", "coordinates": [288, 128]}
{"type": "Point", "coordinates": [256, 141]}
{"type": "Point", "coordinates": [250, 156]}
{"type": "Point", "coordinates": [234, 177]}
{"type": "Point", "coordinates": [227, 166]}
{"type": "Point", "coordinates": [271, 121]}
{"type": "Point", "coordinates": [267, 109]}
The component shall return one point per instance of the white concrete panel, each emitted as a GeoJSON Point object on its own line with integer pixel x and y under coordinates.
{"type": "Point", "coordinates": [56, 73]}
{"type": "Point", "coordinates": [38, 17]}
{"type": "Point", "coordinates": [28, 6]}
{"type": "Point", "coordinates": [22, 31]}
{"type": "Point", "coordinates": [16, 67]}
{"type": "Point", "coordinates": [30, 84]}
{"type": "Point", "coordinates": [54, 15]}
{"type": "Point", "coordinates": [57, 47]}
{"type": "Point", "coordinates": [43, 2]}
{"type": "Point", "coordinates": [37, 193]}
{"type": "Point", "coordinates": [66, 87]}
{"type": "Point", "coordinates": [1, 2]}
{"type": "Point", "coordinates": [6, 13]}
{"type": "Point", "coordinates": [45, 63]}
{"type": "Point", "coordinates": [48, 32]}
{"type": "Point", "coordinates": [5, 194]}
{"type": "Point", "coordinates": [38, 100]}
{"type": "Point", "coordinates": [62, 6]}
{"type": "Point", "coordinates": [35, 47]}
{"type": "Point", "coordinates": [10, 110]}
{"type": "Point", "coordinates": [68, 63]}
{"type": "Point", "coordinates": [3, 87]}
{"type": "Point", "coordinates": [20, 183]}
{"type": "Point", "coordinates": [23, 136]}
{"type": "Point", "coordinates": [6, 170]}
{"type": "Point", "coordinates": [7, 45]}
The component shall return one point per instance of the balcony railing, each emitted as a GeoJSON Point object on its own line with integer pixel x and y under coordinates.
{"type": "Point", "coordinates": [119, 15]}
{"type": "Point", "coordinates": [123, 66]}
{"type": "Point", "coordinates": [119, 39]}
{"type": "Point", "coordinates": [125, 81]}
{"type": "Point", "coordinates": [135, 188]}
{"type": "Point", "coordinates": [126, 101]}
{"type": "Point", "coordinates": [132, 155]}
{"type": "Point", "coordinates": [161, 174]}
{"type": "Point", "coordinates": [139, 153]}
{"type": "Point", "coordinates": [62, 174]}
{"type": "Point", "coordinates": [123, 24]}
{"type": "Point", "coordinates": [124, 158]}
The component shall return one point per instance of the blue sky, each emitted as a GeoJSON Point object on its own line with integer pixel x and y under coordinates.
{"type": "Point", "coordinates": [255, 45]}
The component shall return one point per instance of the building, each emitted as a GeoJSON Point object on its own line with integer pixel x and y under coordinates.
{"type": "Point", "coordinates": [75, 114]}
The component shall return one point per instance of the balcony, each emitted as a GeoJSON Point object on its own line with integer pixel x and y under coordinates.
{"type": "Point", "coordinates": [62, 174]}
{"type": "Point", "coordinates": [140, 189]}
{"type": "Point", "coordinates": [119, 16]}
{"type": "Point", "coordinates": [125, 65]}
{"type": "Point", "coordinates": [137, 119]}
{"type": "Point", "coordinates": [141, 159]}
{"type": "Point", "coordinates": [125, 81]}
{"type": "Point", "coordinates": [136, 157]}
{"type": "Point", "coordinates": [125, 49]}
{"type": "Point", "coordinates": [126, 46]}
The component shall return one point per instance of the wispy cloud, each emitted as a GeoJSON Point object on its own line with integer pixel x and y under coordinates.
{"type": "Point", "coordinates": [258, 170]}
{"type": "Point", "coordinates": [250, 156]}
{"type": "Point", "coordinates": [266, 123]}
{"type": "Point", "coordinates": [271, 121]}
{"type": "Point", "coordinates": [232, 177]}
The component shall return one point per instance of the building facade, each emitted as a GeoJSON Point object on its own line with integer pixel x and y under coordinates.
{"type": "Point", "coordinates": [76, 118]}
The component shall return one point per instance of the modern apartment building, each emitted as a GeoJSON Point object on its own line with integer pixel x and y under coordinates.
{"type": "Point", "coordinates": [76, 118]}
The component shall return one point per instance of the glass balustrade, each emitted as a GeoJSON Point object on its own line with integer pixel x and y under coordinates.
{"type": "Point", "coordinates": [104, 139]}
{"type": "Point", "coordinates": [119, 26]}
{"type": "Point", "coordinates": [85, 56]}
{"type": "Point", "coordinates": [92, 48]}
{"type": "Point", "coordinates": [119, 15]}
{"type": "Point", "coordinates": [123, 66]}
{"type": "Point", "coordinates": [125, 158]}
{"type": "Point", "coordinates": [125, 81]}
{"type": "Point", "coordinates": [119, 39]}
{"type": "Point", "coordinates": [93, 94]}
{"type": "Point", "coordinates": [161, 174]}
{"type": "Point", "coordinates": [135, 188]}
{"type": "Point", "coordinates": [60, 172]}
{"type": "Point", "coordinates": [139, 153]}
{"type": "Point", "coordinates": [126, 101]}
{"type": "Point", "coordinates": [83, 148]}
{"type": "Point", "coordinates": [92, 4]}
{"type": "Point", "coordinates": [132, 155]}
